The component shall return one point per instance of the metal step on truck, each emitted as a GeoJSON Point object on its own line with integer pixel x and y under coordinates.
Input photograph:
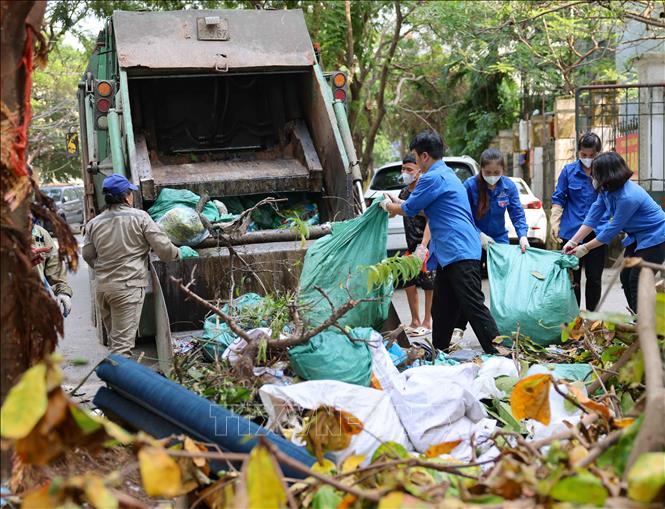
{"type": "Point", "coordinates": [232, 104]}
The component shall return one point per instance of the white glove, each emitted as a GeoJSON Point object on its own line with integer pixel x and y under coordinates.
{"type": "Point", "coordinates": [569, 247]}
{"type": "Point", "coordinates": [65, 303]}
{"type": "Point", "coordinates": [485, 240]}
{"type": "Point", "coordinates": [524, 243]}
{"type": "Point", "coordinates": [581, 251]}
{"type": "Point", "coordinates": [384, 204]}
{"type": "Point", "coordinates": [421, 252]}
{"type": "Point", "coordinates": [555, 222]}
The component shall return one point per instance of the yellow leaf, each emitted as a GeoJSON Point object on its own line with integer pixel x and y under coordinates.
{"type": "Point", "coordinates": [99, 496]}
{"type": "Point", "coordinates": [442, 448]}
{"type": "Point", "coordinates": [42, 498]}
{"type": "Point", "coordinates": [265, 488]}
{"type": "Point", "coordinates": [530, 398]}
{"type": "Point", "coordinates": [326, 468]}
{"type": "Point", "coordinates": [623, 423]}
{"type": "Point", "coordinates": [194, 448]}
{"type": "Point", "coordinates": [159, 472]}
{"type": "Point", "coordinates": [218, 495]}
{"type": "Point", "coordinates": [25, 404]}
{"type": "Point", "coordinates": [352, 462]}
{"type": "Point", "coordinates": [577, 454]}
{"type": "Point", "coordinates": [400, 500]}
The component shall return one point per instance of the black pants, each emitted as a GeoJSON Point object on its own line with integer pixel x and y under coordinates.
{"type": "Point", "coordinates": [630, 276]}
{"type": "Point", "coordinates": [458, 287]}
{"type": "Point", "coordinates": [593, 264]}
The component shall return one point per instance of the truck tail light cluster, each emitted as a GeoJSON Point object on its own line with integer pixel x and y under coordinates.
{"type": "Point", "coordinates": [104, 97]}
{"type": "Point", "coordinates": [340, 86]}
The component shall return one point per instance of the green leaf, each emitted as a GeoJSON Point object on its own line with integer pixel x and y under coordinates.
{"type": "Point", "coordinates": [583, 488]}
{"type": "Point", "coordinates": [617, 455]}
{"type": "Point", "coordinates": [25, 404]}
{"type": "Point", "coordinates": [325, 497]}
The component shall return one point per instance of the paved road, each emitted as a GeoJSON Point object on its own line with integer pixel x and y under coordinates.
{"type": "Point", "coordinates": [80, 342]}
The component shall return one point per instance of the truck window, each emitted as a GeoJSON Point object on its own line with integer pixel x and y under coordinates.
{"type": "Point", "coordinates": [55, 193]}
{"type": "Point", "coordinates": [70, 195]}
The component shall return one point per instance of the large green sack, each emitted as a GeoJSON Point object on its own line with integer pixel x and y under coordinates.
{"type": "Point", "coordinates": [531, 288]}
{"type": "Point", "coordinates": [170, 198]}
{"type": "Point", "coordinates": [331, 355]}
{"type": "Point", "coordinates": [343, 255]}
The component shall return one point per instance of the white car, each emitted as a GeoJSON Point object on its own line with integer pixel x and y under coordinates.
{"type": "Point", "coordinates": [386, 180]}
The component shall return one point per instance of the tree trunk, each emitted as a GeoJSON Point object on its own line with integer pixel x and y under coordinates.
{"type": "Point", "coordinates": [367, 157]}
{"type": "Point", "coordinates": [15, 18]}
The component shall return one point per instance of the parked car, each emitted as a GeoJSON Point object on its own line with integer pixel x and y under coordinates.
{"type": "Point", "coordinates": [386, 180]}
{"type": "Point", "coordinates": [536, 218]}
{"type": "Point", "coordinates": [69, 202]}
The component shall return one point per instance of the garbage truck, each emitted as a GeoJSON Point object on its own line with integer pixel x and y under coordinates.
{"type": "Point", "coordinates": [229, 104]}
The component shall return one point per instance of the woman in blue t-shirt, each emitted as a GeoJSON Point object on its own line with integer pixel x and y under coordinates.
{"type": "Point", "coordinates": [490, 195]}
{"type": "Point", "coordinates": [622, 205]}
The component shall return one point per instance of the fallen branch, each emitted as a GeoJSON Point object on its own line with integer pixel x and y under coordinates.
{"type": "Point", "coordinates": [600, 447]}
{"type": "Point", "coordinates": [621, 362]}
{"type": "Point", "coordinates": [651, 436]}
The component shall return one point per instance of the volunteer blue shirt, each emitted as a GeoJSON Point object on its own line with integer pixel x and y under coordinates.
{"type": "Point", "coordinates": [575, 193]}
{"type": "Point", "coordinates": [504, 196]}
{"type": "Point", "coordinates": [446, 204]}
{"type": "Point", "coordinates": [629, 209]}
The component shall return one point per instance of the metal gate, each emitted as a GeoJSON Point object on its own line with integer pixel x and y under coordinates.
{"type": "Point", "coordinates": [630, 120]}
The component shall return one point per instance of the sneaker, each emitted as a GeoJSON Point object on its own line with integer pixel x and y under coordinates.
{"type": "Point", "coordinates": [458, 335]}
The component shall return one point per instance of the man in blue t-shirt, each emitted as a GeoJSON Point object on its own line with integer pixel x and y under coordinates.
{"type": "Point", "coordinates": [454, 246]}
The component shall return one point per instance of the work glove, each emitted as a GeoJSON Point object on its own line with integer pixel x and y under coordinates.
{"type": "Point", "coordinates": [384, 204]}
{"type": "Point", "coordinates": [65, 303]}
{"type": "Point", "coordinates": [485, 240]}
{"type": "Point", "coordinates": [187, 252]}
{"type": "Point", "coordinates": [555, 222]}
{"type": "Point", "coordinates": [569, 247]}
{"type": "Point", "coordinates": [580, 251]}
{"type": "Point", "coordinates": [524, 243]}
{"type": "Point", "coordinates": [421, 252]}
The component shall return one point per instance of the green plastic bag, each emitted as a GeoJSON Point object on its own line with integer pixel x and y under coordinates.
{"type": "Point", "coordinates": [531, 288]}
{"type": "Point", "coordinates": [343, 255]}
{"type": "Point", "coordinates": [218, 335]}
{"type": "Point", "coordinates": [170, 198]}
{"type": "Point", "coordinates": [333, 356]}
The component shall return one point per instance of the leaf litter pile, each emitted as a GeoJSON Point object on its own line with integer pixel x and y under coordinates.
{"type": "Point", "coordinates": [606, 449]}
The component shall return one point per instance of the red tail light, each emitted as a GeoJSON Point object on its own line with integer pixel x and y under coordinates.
{"type": "Point", "coordinates": [534, 205]}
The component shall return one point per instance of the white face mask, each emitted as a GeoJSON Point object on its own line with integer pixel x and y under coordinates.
{"type": "Point", "coordinates": [595, 183]}
{"type": "Point", "coordinates": [492, 180]}
{"type": "Point", "coordinates": [586, 162]}
{"type": "Point", "coordinates": [408, 178]}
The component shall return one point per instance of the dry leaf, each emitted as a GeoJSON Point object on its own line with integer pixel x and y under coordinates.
{"type": "Point", "coordinates": [352, 462]}
{"type": "Point", "coordinates": [219, 495]}
{"type": "Point", "coordinates": [623, 423]}
{"type": "Point", "coordinates": [99, 496]}
{"type": "Point", "coordinates": [442, 448]}
{"type": "Point", "coordinates": [530, 398]}
{"type": "Point", "coordinates": [589, 404]}
{"type": "Point", "coordinates": [194, 448]}
{"type": "Point", "coordinates": [329, 429]}
{"type": "Point", "coordinates": [160, 473]}
{"type": "Point", "coordinates": [42, 498]}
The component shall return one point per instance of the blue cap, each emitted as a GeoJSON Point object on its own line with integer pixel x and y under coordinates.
{"type": "Point", "coordinates": [117, 184]}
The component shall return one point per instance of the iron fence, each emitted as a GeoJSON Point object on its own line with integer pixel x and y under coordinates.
{"type": "Point", "coordinates": [630, 120]}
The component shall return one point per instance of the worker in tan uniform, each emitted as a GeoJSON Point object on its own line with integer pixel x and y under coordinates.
{"type": "Point", "coordinates": [117, 243]}
{"type": "Point", "coordinates": [51, 270]}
